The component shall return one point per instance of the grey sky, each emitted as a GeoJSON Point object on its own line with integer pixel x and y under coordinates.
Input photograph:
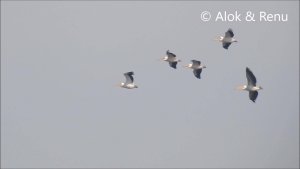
{"type": "Point", "coordinates": [60, 62]}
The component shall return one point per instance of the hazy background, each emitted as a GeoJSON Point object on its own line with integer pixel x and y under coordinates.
{"type": "Point", "coordinates": [61, 61]}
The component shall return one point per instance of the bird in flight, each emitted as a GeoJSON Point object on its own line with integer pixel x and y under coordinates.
{"type": "Point", "coordinates": [251, 86]}
{"type": "Point", "coordinates": [129, 81]}
{"type": "Point", "coordinates": [171, 58]}
{"type": "Point", "coordinates": [197, 68]}
{"type": "Point", "coordinates": [227, 39]}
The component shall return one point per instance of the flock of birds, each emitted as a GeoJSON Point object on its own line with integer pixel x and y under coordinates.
{"type": "Point", "coordinates": [197, 67]}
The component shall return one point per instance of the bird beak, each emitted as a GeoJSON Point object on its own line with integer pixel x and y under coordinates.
{"type": "Point", "coordinates": [217, 39]}
{"type": "Point", "coordinates": [160, 59]}
{"type": "Point", "coordinates": [239, 88]}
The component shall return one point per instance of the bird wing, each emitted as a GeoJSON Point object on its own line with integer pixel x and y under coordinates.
{"type": "Point", "coordinates": [197, 73]}
{"type": "Point", "coordinates": [196, 63]}
{"type": "Point", "coordinates": [173, 64]}
{"type": "Point", "coordinates": [229, 33]}
{"type": "Point", "coordinates": [170, 55]}
{"type": "Point", "coordinates": [250, 77]}
{"type": "Point", "coordinates": [226, 45]}
{"type": "Point", "coordinates": [129, 77]}
{"type": "Point", "coordinates": [253, 95]}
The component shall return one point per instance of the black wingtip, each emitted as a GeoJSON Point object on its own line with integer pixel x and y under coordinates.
{"type": "Point", "coordinates": [129, 73]}
{"type": "Point", "coordinates": [225, 47]}
{"type": "Point", "coordinates": [248, 69]}
{"type": "Point", "coordinates": [173, 66]}
{"type": "Point", "coordinates": [198, 76]}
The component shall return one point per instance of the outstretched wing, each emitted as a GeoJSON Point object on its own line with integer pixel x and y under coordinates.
{"type": "Point", "coordinates": [196, 63]}
{"type": "Point", "coordinates": [229, 33]}
{"type": "Point", "coordinates": [250, 77]}
{"type": "Point", "coordinates": [197, 73]}
{"type": "Point", "coordinates": [226, 45]}
{"type": "Point", "coordinates": [129, 77]}
{"type": "Point", "coordinates": [170, 55]}
{"type": "Point", "coordinates": [173, 64]}
{"type": "Point", "coordinates": [253, 95]}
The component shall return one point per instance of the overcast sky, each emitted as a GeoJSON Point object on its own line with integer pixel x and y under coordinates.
{"type": "Point", "coordinates": [61, 61]}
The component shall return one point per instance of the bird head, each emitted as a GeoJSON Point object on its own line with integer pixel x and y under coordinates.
{"type": "Point", "coordinates": [164, 58]}
{"type": "Point", "coordinates": [188, 65]}
{"type": "Point", "coordinates": [121, 84]}
{"type": "Point", "coordinates": [241, 87]}
{"type": "Point", "coordinates": [218, 38]}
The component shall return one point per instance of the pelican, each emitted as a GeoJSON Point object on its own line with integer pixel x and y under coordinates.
{"type": "Point", "coordinates": [228, 39]}
{"type": "Point", "coordinates": [171, 58]}
{"type": "Point", "coordinates": [129, 81]}
{"type": "Point", "coordinates": [197, 68]}
{"type": "Point", "coordinates": [251, 86]}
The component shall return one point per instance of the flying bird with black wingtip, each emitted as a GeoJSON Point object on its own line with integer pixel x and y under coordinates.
{"type": "Point", "coordinates": [171, 58]}
{"type": "Point", "coordinates": [227, 39]}
{"type": "Point", "coordinates": [197, 68]}
{"type": "Point", "coordinates": [251, 87]}
{"type": "Point", "coordinates": [129, 84]}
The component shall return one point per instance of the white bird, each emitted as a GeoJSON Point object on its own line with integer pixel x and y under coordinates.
{"type": "Point", "coordinates": [171, 58]}
{"type": "Point", "coordinates": [227, 39]}
{"type": "Point", "coordinates": [251, 86]}
{"type": "Point", "coordinates": [197, 68]}
{"type": "Point", "coordinates": [129, 81]}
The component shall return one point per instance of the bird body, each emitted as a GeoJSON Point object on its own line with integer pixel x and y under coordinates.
{"type": "Point", "coordinates": [250, 88]}
{"type": "Point", "coordinates": [196, 66]}
{"type": "Point", "coordinates": [129, 86]}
